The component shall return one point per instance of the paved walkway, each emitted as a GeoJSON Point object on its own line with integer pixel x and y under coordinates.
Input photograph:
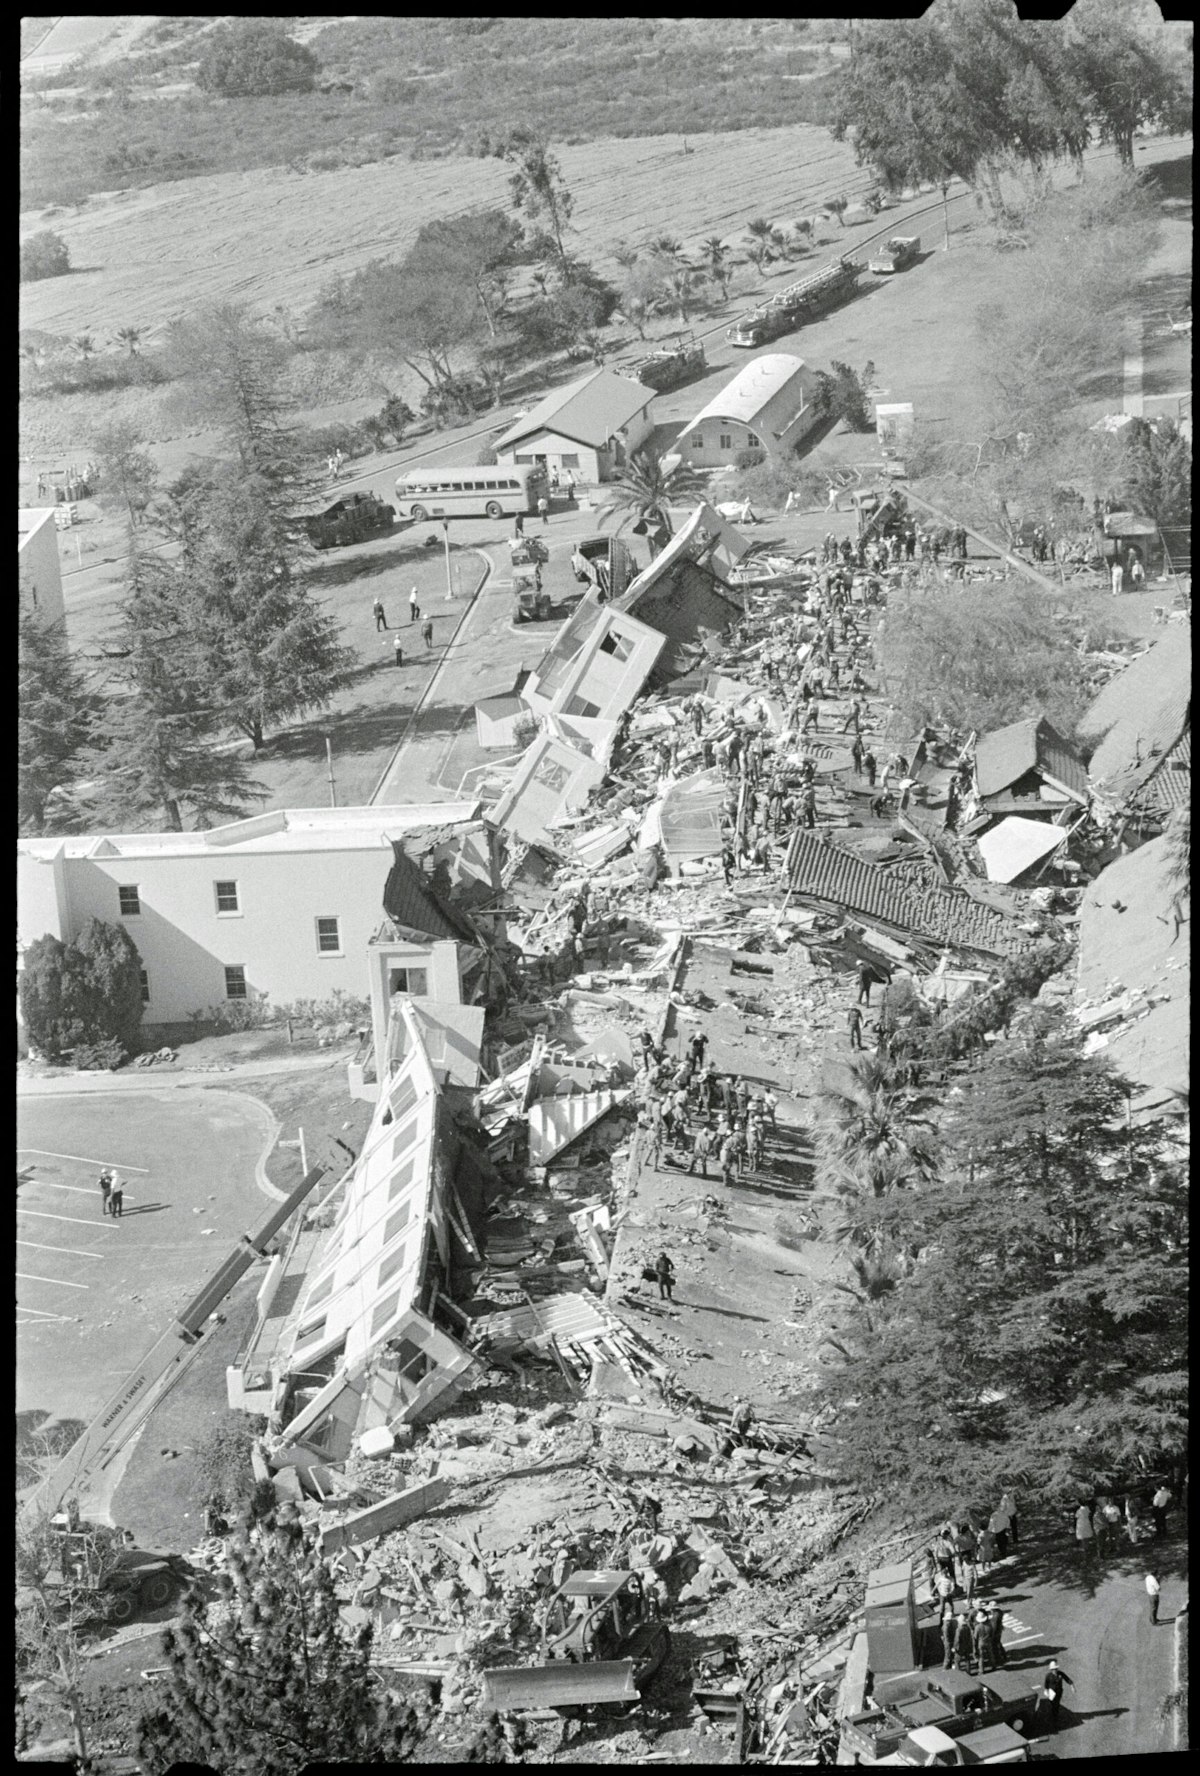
{"type": "Point", "coordinates": [153, 1079]}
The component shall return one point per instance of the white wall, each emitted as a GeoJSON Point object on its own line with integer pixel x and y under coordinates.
{"type": "Point", "coordinates": [581, 460]}
{"type": "Point", "coordinates": [185, 944]}
{"type": "Point", "coordinates": [441, 964]}
{"type": "Point", "coordinates": [39, 570]}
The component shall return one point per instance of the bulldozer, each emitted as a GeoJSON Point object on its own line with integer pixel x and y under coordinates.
{"type": "Point", "coordinates": [602, 1641]}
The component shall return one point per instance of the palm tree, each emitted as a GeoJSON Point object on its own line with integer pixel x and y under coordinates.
{"type": "Point", "coordinates": [625, 255]}
{"type": "Point", "coordinates": [762, 232]}
{"type": "Point", "coordinates": [85, 345]}
{"type": "Point", "coordinates": [667, 246]}
{"type": "Point", "coordinates": [716, 259]}
{"type": "Point", "coordinates": [837, 206]}
{"type": "Point", "coordinates": [678, 283]}
{"type": "Point", "coordinates": [130, 336]}
{"type": "Point", "coordinates": [644, 493]}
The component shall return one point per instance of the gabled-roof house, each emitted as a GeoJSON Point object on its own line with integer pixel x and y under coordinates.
{"type": "Point", "coordinates": [1028, 768]}
{"type": "Point", "coordinates": [587, 430]}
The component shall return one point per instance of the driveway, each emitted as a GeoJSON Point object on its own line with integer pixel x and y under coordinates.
{"type": "Point", "coordinates": [94, 1294]}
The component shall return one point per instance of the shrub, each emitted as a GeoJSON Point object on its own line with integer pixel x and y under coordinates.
{"type": "Point", "coordinates": [235, 1015]}
{"type": "Point", "coordinates": [100, 1057]}
{"type": "Point", "coordinates": [223, 1460]}
{"type": "Point", "coordinates": [843, 395]}
{"type": "Point", "coordinates": [769, 483]}
{"type": "Point", "coordinates": [44, 255]}
{"type": "Point", "coordinates": [86, 993]}
{"type": "Point", "coordinates": [485, 456]}
{"type": "Point", "coordinates": [254, 59]}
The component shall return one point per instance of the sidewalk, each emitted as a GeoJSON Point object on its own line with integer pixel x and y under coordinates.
{"type": "Point", "coordinates": [145, 1079]}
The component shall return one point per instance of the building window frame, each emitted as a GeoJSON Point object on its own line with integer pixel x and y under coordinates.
{"type": "Point", "coordinates": [408, 988]}
{"type": "Point", "coordinates": [144, 983]}
{"type": "Point", "coordinates": [236, 985]}
{"type": "Point", "coordinates": [324, 948]}
{"type": "Point", "coordinates": [221, 891]}
{"type": "Point", "coordinates": [725, 441]}
{"type": "Point", "coordinates": [129, 892]}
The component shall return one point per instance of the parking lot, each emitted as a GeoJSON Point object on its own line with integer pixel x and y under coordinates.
{"type": "Point", "coordinates": [93, 1293]}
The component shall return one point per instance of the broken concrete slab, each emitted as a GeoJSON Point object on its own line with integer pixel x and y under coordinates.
{"type": "Point", "coordinates": [391, 1513]}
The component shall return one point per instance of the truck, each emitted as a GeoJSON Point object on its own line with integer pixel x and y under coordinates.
{"type": "Point", "coordinates": [792, 306]}
{"type": "Point", "coordinates": [927, 1748]}
{"type": "Point", "coordinates": [667, 367]}
{"type": "Point", "coordinates": [601, 1641]}
{"type": "Point", "coordinates": [955, 1701]}
{"type": "Point", "coordinates": [351, 519]}
{"type": "Point", "coordinates": [103, 1564]}
{"type": "Point", "coordinates": [897, 255]}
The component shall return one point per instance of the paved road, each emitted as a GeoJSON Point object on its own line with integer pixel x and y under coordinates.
{"type": "Point", "coordinates": [94, 1294]}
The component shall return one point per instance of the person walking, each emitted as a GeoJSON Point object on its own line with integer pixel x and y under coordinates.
{"type": "Point", "coordinates": [543, 507]}
{"type": "Point", "coordinates": [414, 606]}
{"type": "Point", "coordinates": [381, 621]}
{"type": "Point", "coordinates": [986, 1549]}
{"type": "Point", "coordinates": [427, 633]}
{"type": "Point", "coordinates": [1008, 1504]}
{"type": "Point", "coordinates": [996, 1628]}
{"type": "Point", "coordinates": [1160, 1504]}
{"type": "Point", "coordinates": [870, 767]}
{"type": "Point", "coordinates": [398, 644]}
{"type": "Point", "coordinates": [727, 1162]}
{"type": "Point", "coordinates": [964, 1642]}
{"type": "Point", "coordinates": [857, 753]}
{"type": "Point", "coordinates": [1137, 573]}
{"type": "Point", "coordinates": [866, 980]}
{"type": "Point", "coordinates": [981, 1639]}
{"type": "Point", "coordinates": [117, 1199]}
{"type": "Point", "coordinates": [943, 1588]}
{"type": "Point", "coordinates": [854, 1026]}
{"type": "Point", "coordinates": [1153, 1588]}
{"type": "Point", "coordinates": [949, 1626]}
{"type": "Point", "coordinates": [1085, 1534]}
{"type": "Point", "coordinates": [664, 1270]}
{"type": "Point", "coordinates": [518, 526]}
{"type": "Point", "coordinates": [1118, 576]}
{"type": "Point", "coordinates": [105, 1190]}
{"type": "Point", "coordinates": [1052, 1690]}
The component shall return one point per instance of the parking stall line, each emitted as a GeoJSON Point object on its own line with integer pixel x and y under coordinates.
{"type": "Point", "coordinates": [67, 1251]}
{"type": "Point", "coordinates": [44, 1153]}
{"type": "Point", "coordinates": [28, 1276]}
{"type": "Point", "coordinates": [45, 1215]}
{"type": "Point", "coordinates": [53, 1184]}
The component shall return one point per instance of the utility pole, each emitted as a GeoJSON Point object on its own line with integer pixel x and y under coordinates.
{"type": "Point", "coordinates": [945, 215]}
{"type": "Point", "coordinates": [446, 545]}
{"type": "Point", "coordinates": [329, 762]}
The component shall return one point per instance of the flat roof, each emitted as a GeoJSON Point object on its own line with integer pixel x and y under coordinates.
{"type": "Point", "coordinates": [286, 829]}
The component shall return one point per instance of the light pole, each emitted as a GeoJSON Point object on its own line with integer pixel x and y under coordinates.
{"type": "Point", "coordinates": [446, 546]}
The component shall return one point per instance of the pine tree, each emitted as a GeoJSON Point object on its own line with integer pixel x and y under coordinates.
{"type": "Point", "coordinates": [267, 649]}
{"type": "Point", "coordinates": [53, 719]}
{"type": "Point", "coordinates": [1042, 1330]}
{"type": "Point", "coordinates": [84, 992]}
{"type": "Point", "coordinates": [268, 1680]}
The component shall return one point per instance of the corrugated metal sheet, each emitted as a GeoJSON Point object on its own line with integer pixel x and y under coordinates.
{"type": "Point", "coordinates": [572, 1318]}
{"type": "Point", "coordinates": [822, 871]}
{"type": "Point", "coordinates": [1016, 845]}
{"type": "Point", "coordinates": [1171, 785]}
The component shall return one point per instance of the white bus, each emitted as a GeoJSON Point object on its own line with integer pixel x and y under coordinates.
{"type": "Point", "coordinates": [451, 490]}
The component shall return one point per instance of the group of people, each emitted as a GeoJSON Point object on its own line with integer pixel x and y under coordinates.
{"type": "Point", "coordinates": [112, 1193]}
{"type": "Point", "coordinates": [1099, 1523]}
{"type": "Point", "coordinates": [333, 463]}
{"type": "Point", "coordinates": [692, 1113]}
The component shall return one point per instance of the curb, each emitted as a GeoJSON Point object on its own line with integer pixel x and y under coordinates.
{"type": "Point", "coordinates": [419, 705]}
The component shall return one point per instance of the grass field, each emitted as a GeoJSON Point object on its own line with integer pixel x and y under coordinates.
{"type": "Point", "coordinates": [274, 237]}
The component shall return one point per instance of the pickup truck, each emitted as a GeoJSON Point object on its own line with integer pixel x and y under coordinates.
{"type": "Point", "coordinates": [952, 1700]}
{"type": "Point", "coordinates": [928, 1748]}
{"type": "Point", "coordinates": [899, 253]}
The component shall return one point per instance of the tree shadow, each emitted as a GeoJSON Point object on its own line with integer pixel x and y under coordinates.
{"type": "Point", "coordinates": [349, 566]}
{"type": "Point", "coordinates": [729, 1313]}
{"type": "Point", "coordinates": [351, 731]}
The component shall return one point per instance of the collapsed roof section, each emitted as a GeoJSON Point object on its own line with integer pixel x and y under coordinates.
{"type": "Point", "coordinates": [1142, 721]}
{"type": "Point", "coordinates": [819, 871]}
{"type": "Point", "coordinates": [687, 594]}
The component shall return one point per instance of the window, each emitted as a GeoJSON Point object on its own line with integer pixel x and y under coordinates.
{"type": "Point", "coordinates": [619, 646]}
{"type": "Point", "coordinates": [144, 978]}
{"type": "Point", "coordinates": [311, 1331]}
{"type": "Point", "coordinates": [578, 705]}
{"type": "Point", "coordinates": [129, 902]}
{"type": "Point", "coordinates": [396, 1223]}
{"type": "Point", "coordinates": [322, 1292]}
{"type": "Point", "coordinates": [414, 981]}
{"type": "Point", "coordinates": [726, 441]}
{"type": "Point", "coordinates": [512, 486]}
{"type": "Point", "coordinates": [235, 981]}
{"type": "Point", "coordinates": [392, 1266]}
{"type": "Point", "coordinates": [329, 938]}
{"type": "Point", "coordinates": [698, 441]}
{"type": "Point", "coordinates": [521, 458]}
{"type": "Point", "coordinates": [491, 486]}
{"type": "Point", "coordinates": [401, 1180]}
{"type": "Point", "coordinates": [570, 461]}
{"type": "Point", "coordinates": [384, 1312]}
{"type": "Point", "coordinates": [227, 897]}
{"type": "Point", "coordinates": [750, 438]}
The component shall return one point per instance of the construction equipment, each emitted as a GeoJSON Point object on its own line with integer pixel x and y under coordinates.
{"type": "Point", "coordinates": [163, 1364]}
{"type": "Point", "coordinates": [899, 253]}
{"type": "Point", "coordinates": [671, 365]}
{"type": "Point", "coordinates": [528, 552]}
{"type": "Point", "coordinates": [124, 1578]}
{"type": "Point", "coordinates": [531, 604]}
{"type": "Point", "coordinates": [601, 1642]}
